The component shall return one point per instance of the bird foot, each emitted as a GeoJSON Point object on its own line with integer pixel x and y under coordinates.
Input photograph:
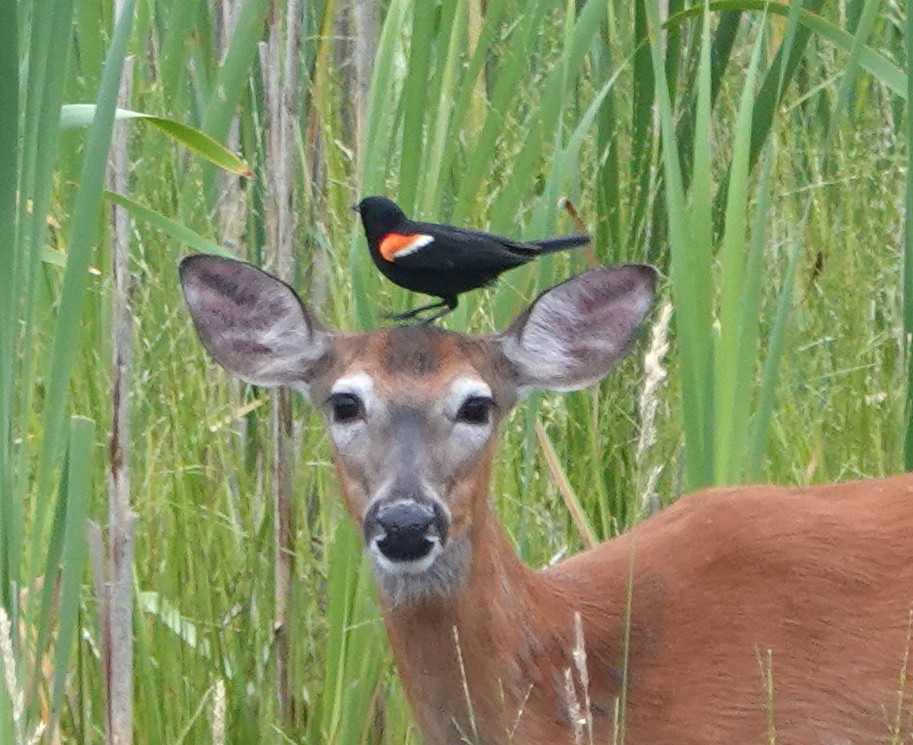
{"type": "Point", "coordinates": [415, 314]}
{"type": "Point", "coordinates": [445, 306]}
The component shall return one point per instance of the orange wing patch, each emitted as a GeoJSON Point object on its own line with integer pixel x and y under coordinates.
{"type": "Point", "coordinates": [395, 245]}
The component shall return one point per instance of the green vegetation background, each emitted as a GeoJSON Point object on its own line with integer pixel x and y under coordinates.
{"type": "Point", "coordinates": [756, 152]}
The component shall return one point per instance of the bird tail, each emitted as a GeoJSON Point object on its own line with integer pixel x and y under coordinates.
{"type": "Point", "coordinates": [560, 243]}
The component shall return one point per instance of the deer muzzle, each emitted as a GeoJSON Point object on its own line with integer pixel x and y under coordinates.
{"type": "Point", "coordinates": [405, 530]}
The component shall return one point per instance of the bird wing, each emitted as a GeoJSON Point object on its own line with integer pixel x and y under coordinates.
{"type": "Point", "coordinates": [436, 247]}
{"type": "Point", "coordinates": [528, 249]}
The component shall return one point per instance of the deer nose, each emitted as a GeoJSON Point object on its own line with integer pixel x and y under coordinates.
{"type": "Point", "coordinates": [404, 530]}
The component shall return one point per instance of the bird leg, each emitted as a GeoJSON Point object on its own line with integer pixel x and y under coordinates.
{"type": "Point", "coordinates": [447, 304]}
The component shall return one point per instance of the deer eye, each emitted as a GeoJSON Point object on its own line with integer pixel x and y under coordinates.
{"type": "Point", "coordinates": [346, 408]}
{"type": "Point", "coordinates": [475, 410]}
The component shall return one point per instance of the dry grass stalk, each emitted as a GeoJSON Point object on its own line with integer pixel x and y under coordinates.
{"type": "Point", "coordinates": [43, 667]}
{"type": "Point", "coordinates": [520, 710]}
{"type": "Point", "coordinates": [280, 63]}
{"type": "Point", "coordinates": [9, 668]}
{"type": "Point", "coordinates": [364, 50]}
{"type": "Point", "coordinates": [218, 713]}
{"type": "Point", "coordinates": [579, 712]}
{"type": "Point", "coordinates": [465, 683]}
{"type": "Point", "coordinates": [579, 654]}
{"type": "Point", "coordinates": [897, 726]}
{"type": "Point", "coordinates": [13, 689]}
{"type": "Point", "coordinates": [116, 600]}
{"type": "Point", "coordinates": [37, 734]}
{"type": "Point", "coordinates": [563, 484]}
{"type": "Point", "coordinates": [572, 703]}
{"type": "Point", "coordinates": [766, 668]}
{"type": "Point", "coordinates": [654, 374]}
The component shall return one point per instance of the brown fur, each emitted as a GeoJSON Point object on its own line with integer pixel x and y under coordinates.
{"type": "Point", "coordinates": [814, 585]}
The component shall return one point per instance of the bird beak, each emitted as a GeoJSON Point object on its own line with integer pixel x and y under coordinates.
{"type": "Point", "coordinates": [355, 208]}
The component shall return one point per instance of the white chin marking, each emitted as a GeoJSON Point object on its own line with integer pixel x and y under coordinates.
{"type": "Point", "coordinates": [439, 574]}
{"type": "Point", "coordinates": [419, 566]}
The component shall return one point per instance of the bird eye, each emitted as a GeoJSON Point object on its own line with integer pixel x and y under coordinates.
{"type": "Point", "coordinates": [346, 407]}
{"type": "Point", "coordinates": [475, 410]}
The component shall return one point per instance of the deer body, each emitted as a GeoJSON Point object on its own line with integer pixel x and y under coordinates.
{"type": "Point", "coordinates": [717, 580]}
{"type": "Point", "coordinates": [737, 615]}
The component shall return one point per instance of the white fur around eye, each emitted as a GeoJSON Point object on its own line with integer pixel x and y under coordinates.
{"type": "Point", "coordinates": [467, 438]}
{"type": "Point", "coordinates": [463, 389]}
{"type": "Point", "coordinates": [358, 384]}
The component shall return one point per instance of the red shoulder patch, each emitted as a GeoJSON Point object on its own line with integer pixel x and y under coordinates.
{"type": "Point", "coordinates": [394, 244]}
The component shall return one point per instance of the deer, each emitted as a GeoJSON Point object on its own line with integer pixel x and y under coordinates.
{"type": "Point", "coordinates": [736, 615]}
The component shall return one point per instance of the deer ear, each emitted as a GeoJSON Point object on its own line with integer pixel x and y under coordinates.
{"type": "Point", "coordinates": [252, 324]}
{"type": "Point", "coordinates": [573, 334]}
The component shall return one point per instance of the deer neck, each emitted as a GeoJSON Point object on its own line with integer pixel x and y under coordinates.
{"type": "Point", "coordinates": [474, 661]}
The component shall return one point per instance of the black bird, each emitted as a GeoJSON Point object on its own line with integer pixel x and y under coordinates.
{"type": "Point", "coordinates": [442, 260]}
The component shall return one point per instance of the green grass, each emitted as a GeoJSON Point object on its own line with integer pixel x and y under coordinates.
{"type": "Point", "coordinates": [755, 152]}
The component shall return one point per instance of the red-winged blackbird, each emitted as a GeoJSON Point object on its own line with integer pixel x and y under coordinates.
{"type": "Point", "coordinates": [443, 260]}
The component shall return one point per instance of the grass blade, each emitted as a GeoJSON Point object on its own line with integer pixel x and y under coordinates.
{"type": "Point", "coordinates": [84, 227]}
{"type": "Point", "coordinates": [414, 105]}
{"type": "Point", "coordinates": [732, 354]}
{"type": "Point", "coordinates": [200, 143]}
{"type": "Point", "coordinates": [172, 228]}
{"type": "Point", "coordinates": [9, 153]}
{"type": "Point", "coordinates": [78, 491]}
{"type": "Point", "coordinates": [690, 274]}
{"type": "Point", "coordinates": [908, 260]}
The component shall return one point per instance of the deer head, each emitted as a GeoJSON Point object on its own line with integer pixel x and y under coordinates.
{"type": "Point", "coordinates": [413, 411]}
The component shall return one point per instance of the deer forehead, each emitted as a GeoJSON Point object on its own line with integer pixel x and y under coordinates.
{"type": "Point", "coordinates": [417, 365]}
